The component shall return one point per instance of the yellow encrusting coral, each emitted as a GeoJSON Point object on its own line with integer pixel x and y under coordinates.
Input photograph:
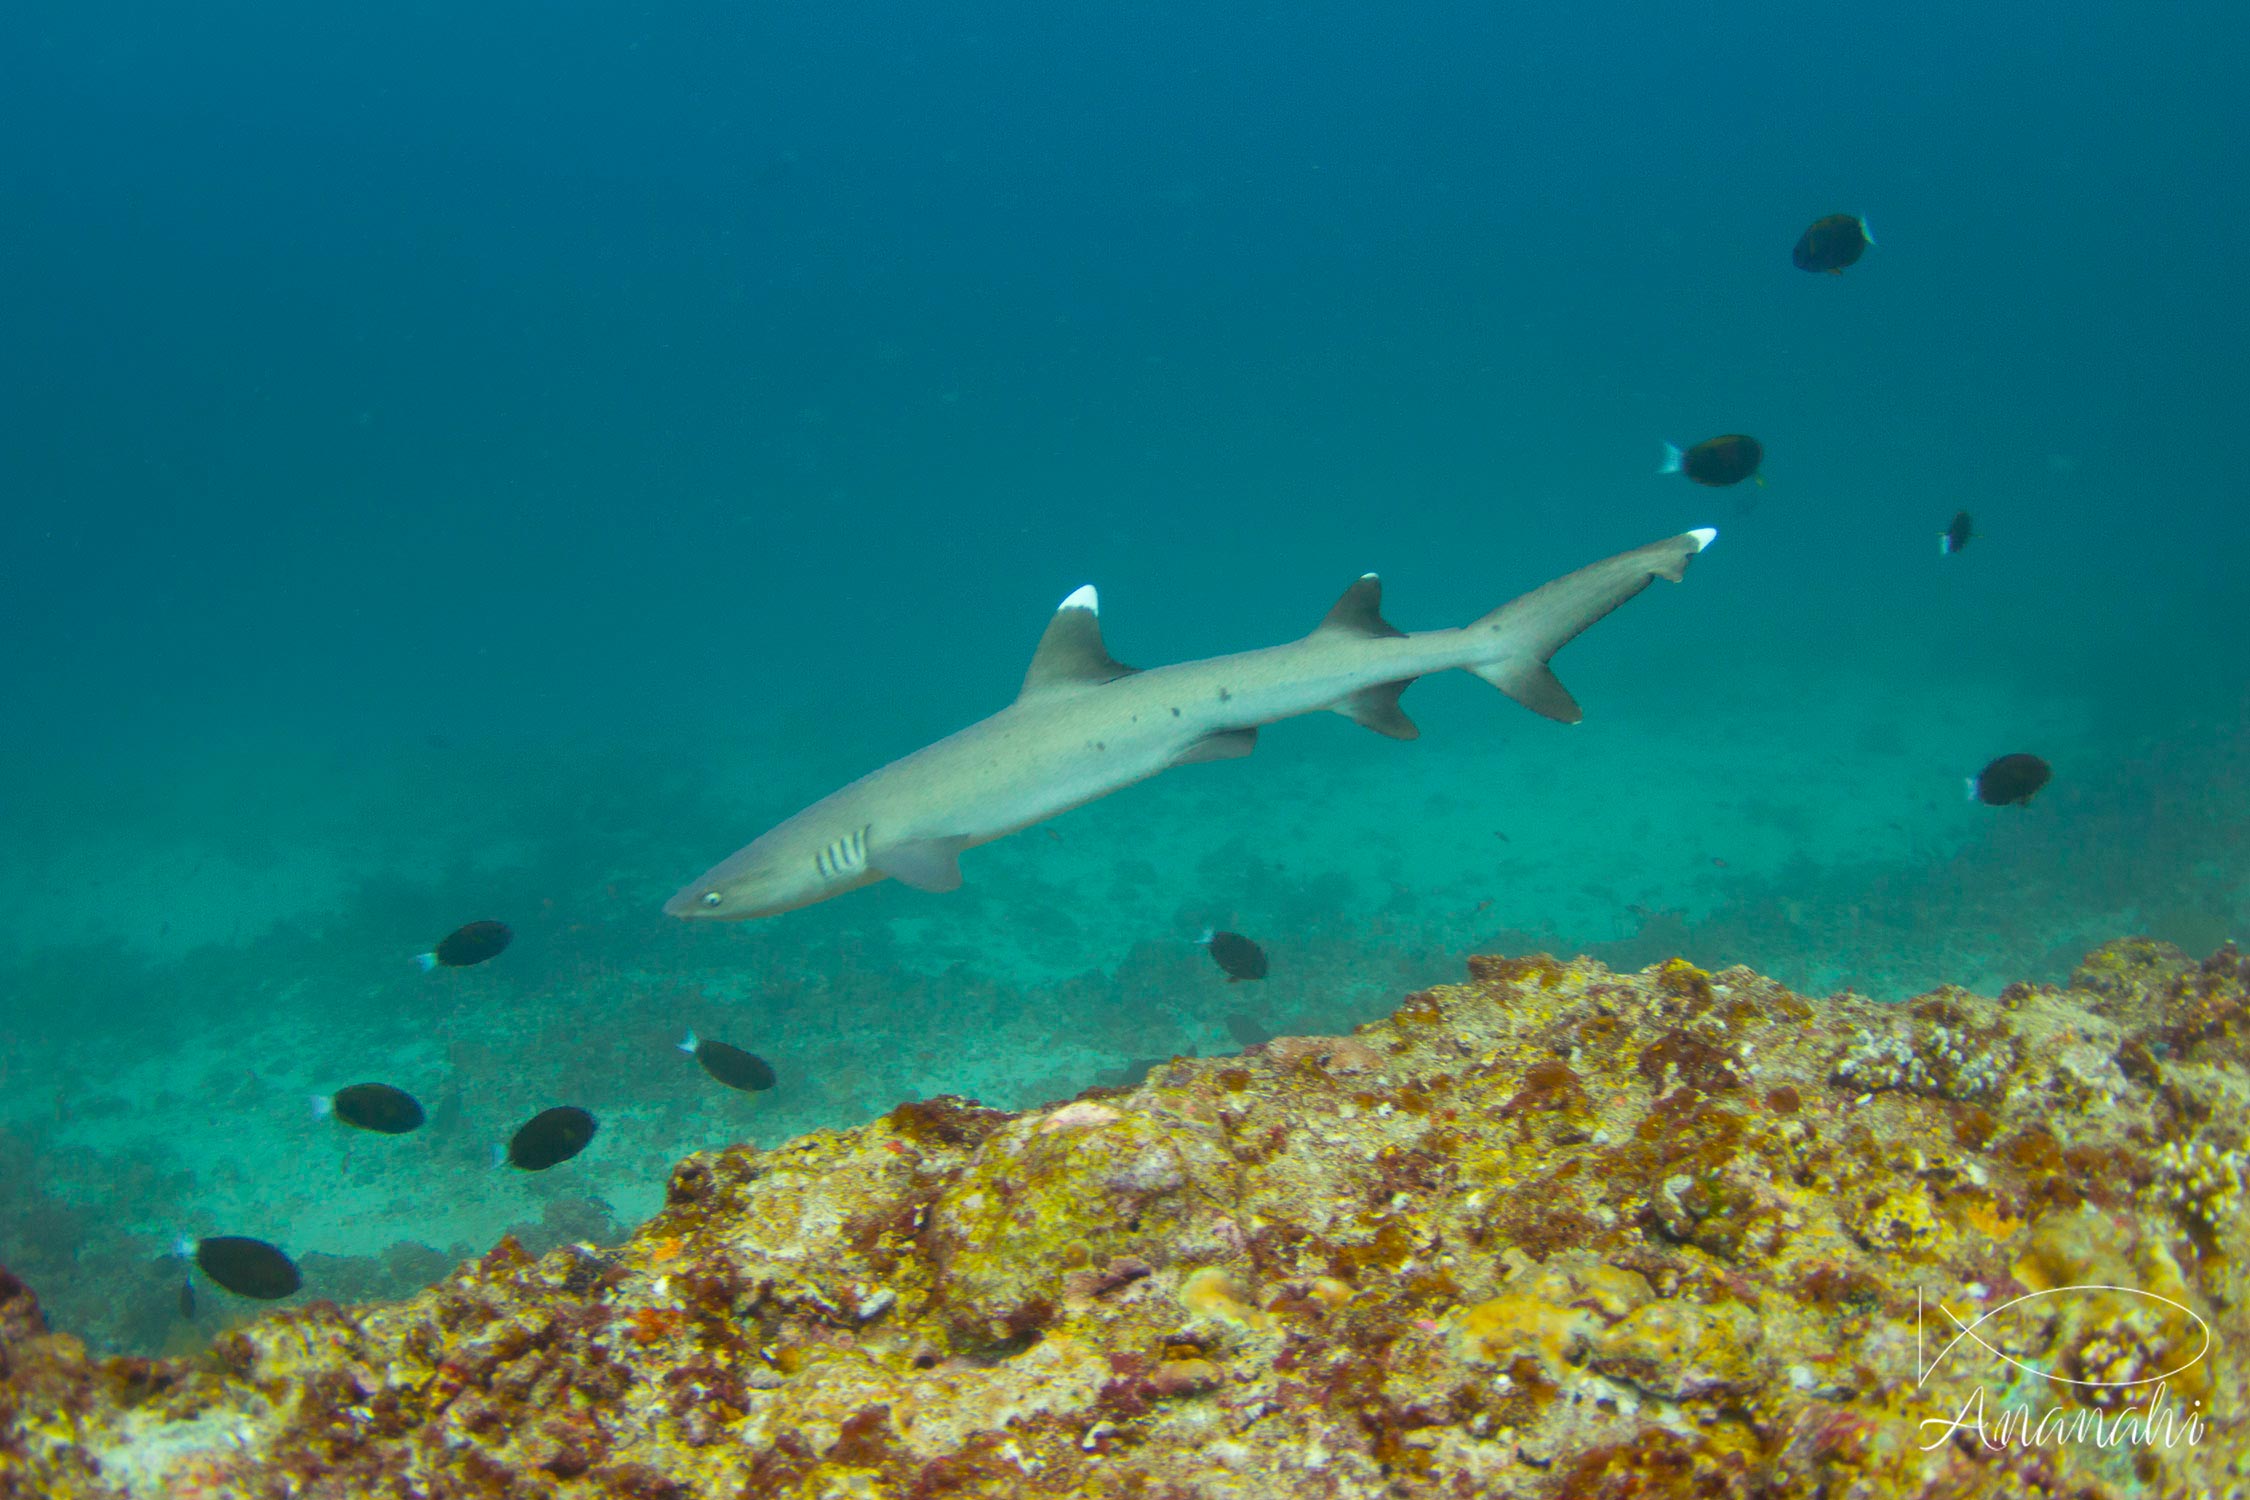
{"type": "Point", "coordinates": [1552, 1232]}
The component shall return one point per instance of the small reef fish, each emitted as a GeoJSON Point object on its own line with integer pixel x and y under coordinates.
{"type": "Point", "coordinates": [1236, 954]}
{"type": "Point", "coordinates": [372, 1106]}
{"type": "Point", "coordinates": [245, 1267]}
{"type": "Point", "coordinates": [732, 1066]}
{"type": "Point", "coordinates": [1716, 461]}
{"type": "Point", "coordinates": [1133, 1074]}
{"type": "Point", "coordinates": [550, 1138]}
{"type": "Point", "coordinates": [187, 1299]}
{"type": "Point", "coordinates": [1832, 243]}
{"type": "Point", "coordinates": [466, 946]}
{"type": "Point", "coordinates": [2010, 780]}
{"type": "Point", "coordinates": [1955, 536]}
{"type": "Point", "coordinates": [1085, 725]}
{"type": "Point", "coordinates": [1249, 1031]}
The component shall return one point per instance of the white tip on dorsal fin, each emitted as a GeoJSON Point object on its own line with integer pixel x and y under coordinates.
{"type": "Point", "coordinates": [1071, 653]}
{"type": "Point", "coordinates": [1704, 536]}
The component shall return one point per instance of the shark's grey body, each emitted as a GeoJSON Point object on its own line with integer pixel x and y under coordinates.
{"type": "Point", "coordinates": [1085, 726]}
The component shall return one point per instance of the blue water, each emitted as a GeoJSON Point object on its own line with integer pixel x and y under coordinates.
{"type": "Point", "coordinates": [494, 462]}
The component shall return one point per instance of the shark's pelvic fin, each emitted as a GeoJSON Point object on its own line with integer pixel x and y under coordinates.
{"type": "Point", "coordinates": [925, 864]}
{"type": "Point", "coordinates": [1360, 611]}
{"type": "Point", "coordinates": [1525, 632]}
{"type": "Point", "coordinates": [1377, 708]}
{"type": "Point", "coordinates": [1071, 653]}
{"type": "Point", "coordinates": [1227, 744]}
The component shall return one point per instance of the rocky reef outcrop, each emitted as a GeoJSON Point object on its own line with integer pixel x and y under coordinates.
{"type": "Point", "coordinates": [1553, 1231]}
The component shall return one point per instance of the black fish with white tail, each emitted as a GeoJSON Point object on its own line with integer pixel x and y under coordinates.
{"type": "Point", "coordinates": [245, 1267]}
{"type": "Point", "coordinates": [465, 947]}
{"type": "Point", "coordinates": [550, 1138]}
{"type": "Point", "coordinates": [1085, 725]}
{"type": "Point", "coordinates": [2010, 781]}
{"type": "Point", "coordinates": [1832, 243]}
{"type": "Point", "coordinates": [731, 1065]}
{"type": "Point", "coordinates": [1955, 536]}
{"type": "Point", "coordinates": [1718, 461]}
{"type": "Point", "coordinates": [1236, 955]}
{"type": "Point", "coordinates": [372, 1106]}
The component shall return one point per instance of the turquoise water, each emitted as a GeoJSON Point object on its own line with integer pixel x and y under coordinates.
{"type": "Point", "coordinates": [494, 465]}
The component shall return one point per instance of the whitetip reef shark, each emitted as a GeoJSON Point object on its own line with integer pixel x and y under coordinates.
{"type": "Point", "coordinates": [1086, 725]}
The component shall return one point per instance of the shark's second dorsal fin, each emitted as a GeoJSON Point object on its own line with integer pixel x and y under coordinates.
{"type": "Point", "coordinates": [1360, 611]}
{"type": "Point", "coordinates": [1071, 653]}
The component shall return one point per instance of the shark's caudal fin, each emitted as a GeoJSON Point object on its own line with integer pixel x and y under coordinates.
{"type": "Point", "coordinates": [1071, 653]}
{"type": "Point", "coordinates": [1526, 632]}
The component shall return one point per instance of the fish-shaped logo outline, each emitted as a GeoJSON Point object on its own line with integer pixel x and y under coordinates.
{"type": "Point", "coordinates": [1969, 1331]}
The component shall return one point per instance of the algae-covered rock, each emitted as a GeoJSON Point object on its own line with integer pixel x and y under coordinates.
{"type": "Point", "coordinates": [1082, 1185]}
{"type": "Point", "coordinates": [1553, 1232]}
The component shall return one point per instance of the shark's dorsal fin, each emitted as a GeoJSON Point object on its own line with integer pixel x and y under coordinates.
{"type": "Point", "coordinates": [1071, 653]}
{"type": "Point", "coordinates": [1360, 611]}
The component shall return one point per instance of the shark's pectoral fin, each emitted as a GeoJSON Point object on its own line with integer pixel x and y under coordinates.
{"type": "Point", "coordinates": [1537, 688]}
{"type": "Point", "coordinates": [1227, 744]}
{"type": "Point", "coordinates": [925, 864]}
{"type": "Point", "coordinates": [1377, 708]}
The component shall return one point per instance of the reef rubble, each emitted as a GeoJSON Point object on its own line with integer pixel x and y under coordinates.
{"type": "Point", "coordinates": [1553, 1231]}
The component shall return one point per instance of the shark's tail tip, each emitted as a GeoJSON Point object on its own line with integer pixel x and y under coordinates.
{"type": "Point", "coordinates": [1704, 536]}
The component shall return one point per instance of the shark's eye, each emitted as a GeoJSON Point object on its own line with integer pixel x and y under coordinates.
{"type": "Point", "coordinates": [712, 898]}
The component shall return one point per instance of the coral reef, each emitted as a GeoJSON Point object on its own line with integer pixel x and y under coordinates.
{"type": "Point", "coordinates": [1554, 1231]}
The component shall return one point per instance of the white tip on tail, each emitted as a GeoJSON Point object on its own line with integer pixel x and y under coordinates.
{"type": "Point", "coordinates": [687, 1044]}
{"type": "Point", "coordinates": [1083, 597]}
{"type": "Point", "coordinates": [1675, 459]}
{"type": "Point", "coordinates": [427, 961]}
{"type": "Point", "coordinates": [1969, 787]}
{"type": "Point", "coordinates": [1365, 576]}
{"type": "Point", "coordinates": [1945, 543]}
{"type": "Point", "coordinates": [1704, 536]}
{"type": "Point", "coordinates": [185, 1248]}
{"type": "Point", "coordinates": [322, 1106]}
{"type": "Point", "coordinates": [1866, 233]}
